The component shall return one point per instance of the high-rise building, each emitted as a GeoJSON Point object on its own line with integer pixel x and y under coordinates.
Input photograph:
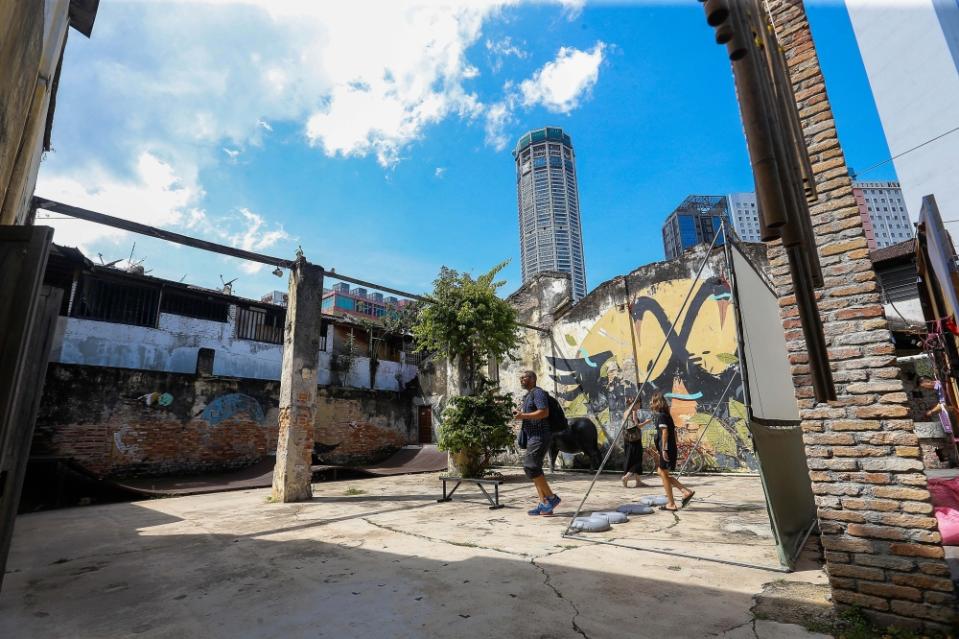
{"type": "Point", "coordinates": [882, 208]}
{"type": "Point", "coordinates": [696, 221]}
{"type": "Point", "coordinates": [744, 215]}
{"type": "Point", "coordinates": [911, 54]}
{"type": "Point", "coordinates": [551, 236]}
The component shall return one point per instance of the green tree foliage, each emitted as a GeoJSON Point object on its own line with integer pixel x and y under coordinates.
{"type": "Point", "coordinates": [395, 323]}
{"type": "Point", "coordinates": [466, 321]}
{"type": "Point", "coordinates": [479, 422]}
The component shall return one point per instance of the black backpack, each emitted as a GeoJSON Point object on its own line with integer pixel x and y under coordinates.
{"type": "Point", "coordinates": [557, 418]}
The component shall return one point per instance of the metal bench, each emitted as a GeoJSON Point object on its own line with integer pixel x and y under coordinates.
{"type": "Point", "coordinates": [493, 499]}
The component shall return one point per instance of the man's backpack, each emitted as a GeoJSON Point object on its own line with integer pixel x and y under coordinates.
{"type": "Point", "coordinates": [557, 418]}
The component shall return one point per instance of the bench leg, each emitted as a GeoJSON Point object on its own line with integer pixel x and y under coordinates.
{"type": "Point", "coordinates": [449, 496]}
{"type": "Point", "coordinates": [494, 503]}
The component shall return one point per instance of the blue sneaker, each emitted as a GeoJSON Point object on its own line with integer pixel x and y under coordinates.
{"type": "Point", "coordinates": [536, 511]}
{"type": "Point", "coordinates": [551, 503]}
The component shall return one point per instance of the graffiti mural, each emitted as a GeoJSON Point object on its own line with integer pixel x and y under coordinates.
{"type": "Point", "coordinates": [226, 406]}
{"type": "Point", "coordinates": [596, 376]}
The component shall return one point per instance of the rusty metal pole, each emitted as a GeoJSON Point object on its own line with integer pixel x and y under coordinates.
{"type": "Point", "coordinates": [292, 476]}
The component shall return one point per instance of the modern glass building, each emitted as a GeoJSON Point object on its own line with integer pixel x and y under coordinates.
{"type": "Point", "coordinates": [696, 221]}
{"type": "Point", "coordinates": [551, 236]}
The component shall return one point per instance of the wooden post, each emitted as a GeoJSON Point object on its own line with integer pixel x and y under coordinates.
{"type": "Point", "coordinates": [301, 348]}
{"type": "Point", "coordinates": [28, 317]}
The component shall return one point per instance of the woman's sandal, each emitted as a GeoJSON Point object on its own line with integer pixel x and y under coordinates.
{"type": "Point", "coordinates": [687, 498]}
{"type": "Point", "coordinates": [672, 510]}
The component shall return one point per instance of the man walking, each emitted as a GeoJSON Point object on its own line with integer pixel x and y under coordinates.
{"type": "Point", "coordinates": [538, 436]}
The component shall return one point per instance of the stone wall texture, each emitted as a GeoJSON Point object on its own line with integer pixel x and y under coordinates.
{"type": "Point", "coordinates": [882, 548]}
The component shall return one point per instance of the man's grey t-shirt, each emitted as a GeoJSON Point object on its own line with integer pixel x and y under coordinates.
{"type": "Point", "coordinates": [536, 399]}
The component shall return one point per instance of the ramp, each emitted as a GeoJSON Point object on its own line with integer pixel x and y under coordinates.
{"type": "Point", "coordinates": [411, 459]}
{"type": "Point", "coordinates": [407, 460]}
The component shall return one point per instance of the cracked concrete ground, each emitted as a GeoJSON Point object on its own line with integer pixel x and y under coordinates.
{"type": "Point", "coordinates": [391, 562]}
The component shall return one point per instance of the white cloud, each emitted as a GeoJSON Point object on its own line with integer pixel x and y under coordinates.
{"type": "Point", "coordinates": [440, 171]}
{"type": "Point", "coordinates": [561, 84]}
{"type": "Point", "coordinates": [498, 117]}
{"type": "Point", "coordinates": [381, 98]}
{"type": "Point", "coordinates": [501, 49]}
{"type": "Point", "coordinates": [157, 196]}
{"type": "Point", "coordinates": [167, 90]}
{"type": "Point", "coordinates": [252, 236]}
{"type": "Point", "coordinates": [153, 195]}
{"type": "Point", "coordinates": [573, 8]}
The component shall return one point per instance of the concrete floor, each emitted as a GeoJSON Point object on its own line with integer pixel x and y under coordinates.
{"type": "Point", "coordinates": [391, 562]}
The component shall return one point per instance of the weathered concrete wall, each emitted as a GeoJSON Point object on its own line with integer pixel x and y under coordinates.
{"type": "Point", "coordinates": [601, 349]}
{"type": "Point", "coordinates": [32, 38]}
{"type": "Point", "coordinates": [883, 548]}
{"type": "Point", "coordinates": [118, 422]}
{"type": "Point", "coordinates": [170, 348]}
{"type": "Point", "coordinates": [173, 348]}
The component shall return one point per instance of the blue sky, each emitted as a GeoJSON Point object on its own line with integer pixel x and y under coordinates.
{"type": "Point", "coordinates": [377, 135]}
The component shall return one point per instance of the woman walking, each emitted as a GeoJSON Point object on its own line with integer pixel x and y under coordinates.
{"type": "Point", "coordinates": [666, 448]}
{"type": "Point", "coordinates": [633, 447]}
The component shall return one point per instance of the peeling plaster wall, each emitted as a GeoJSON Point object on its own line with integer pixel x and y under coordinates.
{"type": "Point", "coordinates": [117, 422]}
{"type": "Point", "coordinates": [589, 361]}
{"type": "Point", "coordinates": [173, 348]}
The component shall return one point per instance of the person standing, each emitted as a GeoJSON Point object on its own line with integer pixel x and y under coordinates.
{"type": "Point", "coordinates": [633, 449]}
{"type": "Point", "coordinates": [667, 450]}
{"type": "Point", "coordinates": [534, 416]}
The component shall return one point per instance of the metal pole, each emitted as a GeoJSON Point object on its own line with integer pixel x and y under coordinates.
{"type": "Point", "coordinates": [213, 247]}
{"type": "Point", "coordinates": [639, 392]}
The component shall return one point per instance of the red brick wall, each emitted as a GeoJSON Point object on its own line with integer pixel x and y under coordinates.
{"type": "Point", "coordinates": [93, 415]}
{"type": "Point", "coordinates": [882, 547]}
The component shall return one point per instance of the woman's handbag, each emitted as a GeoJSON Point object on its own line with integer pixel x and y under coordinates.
{"type": "Point", "coordinates": [633, 434]}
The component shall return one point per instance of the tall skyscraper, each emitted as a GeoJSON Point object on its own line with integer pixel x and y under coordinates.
{"type": "Point", "coordinates": [744, 215]}
{"type": "Point", "coordinates": [883, 212]}
{"type": "Point", "coordinates": [696, 221]}
{"type": "Point", "coordinates": [911, 54]}
{"type": "Point", "coordinates": [551, 236]}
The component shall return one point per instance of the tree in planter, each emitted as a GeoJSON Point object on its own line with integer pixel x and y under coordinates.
{"type": "Point", "coordinates": [466, 323]}
{"type": "Point", "coordinates": [476, 427]}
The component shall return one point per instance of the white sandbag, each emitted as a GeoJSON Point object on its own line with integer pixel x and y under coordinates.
{"type": "Point", "coordinates": [591, 524]}
{"type": "Point", "coordinates": [613, 516]}
{"type": "Point", "coordinates": [635, 509]}
{"type": "Point", "coordinates": [654, 500]}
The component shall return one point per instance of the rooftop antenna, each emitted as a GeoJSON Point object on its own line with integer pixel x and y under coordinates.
{"type": "Point", "coordinates": [133, 248]}
{"type": "Point", "coordinates": [228, 286]}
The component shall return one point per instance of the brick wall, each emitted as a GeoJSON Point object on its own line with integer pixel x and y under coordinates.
{"type": "Point", "coordinates": [881, 543]}
{"type": "Point", "coordinates": [118, 422]}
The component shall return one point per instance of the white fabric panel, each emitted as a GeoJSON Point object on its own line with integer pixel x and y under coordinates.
{"type": "Point", "coordinates": [767, 365]}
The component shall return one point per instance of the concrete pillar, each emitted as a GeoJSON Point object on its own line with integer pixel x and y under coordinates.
{"type": "Point", "coordinates": [301, 348]}
{"type": "Point", "coordinates": [882, 547]}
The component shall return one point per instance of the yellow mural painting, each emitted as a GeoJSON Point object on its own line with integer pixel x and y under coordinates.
{"type": "Point", "coordinates": [697, 363]}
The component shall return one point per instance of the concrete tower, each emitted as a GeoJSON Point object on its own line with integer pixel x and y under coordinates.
{"type": "Point", "coordinates": [551, 236]}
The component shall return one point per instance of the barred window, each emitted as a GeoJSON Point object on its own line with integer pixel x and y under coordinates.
{"type": "Point", "coordinates": [260, 324]}
{"type": "Point", "coordinates": [194, 305]}
{"type": "Point", "coordinates": [109, 300]}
